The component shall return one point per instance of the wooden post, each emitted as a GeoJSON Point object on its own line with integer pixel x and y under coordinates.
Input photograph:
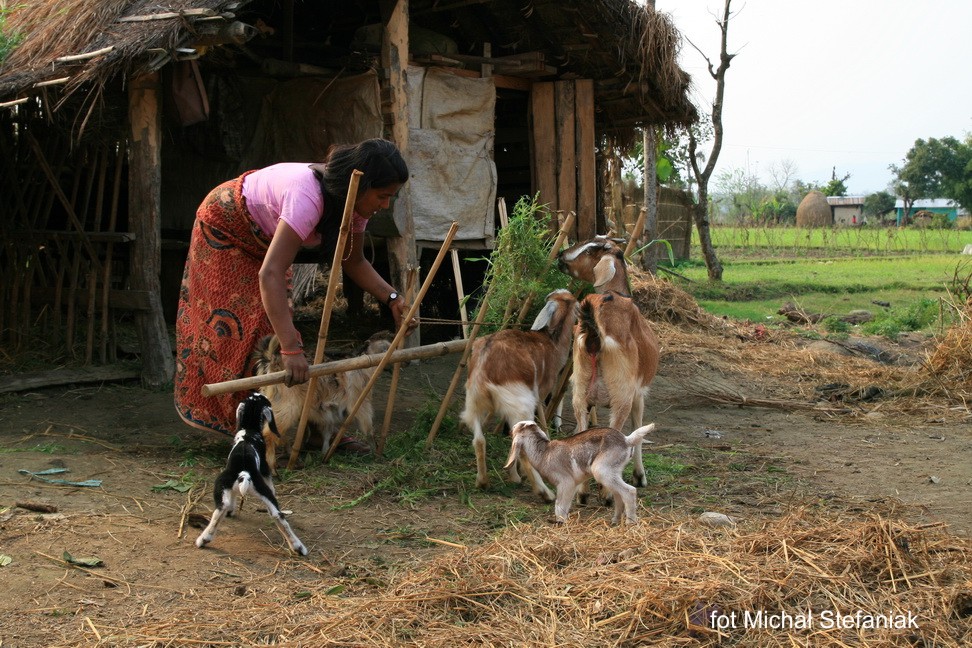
{"type": "Point", "coordinates": [145, 221]}
{"type": "Point", "coordinates": [396, 373]}
{"type": "Point", "coordinates": [402, 255]}
{"type": "Point", "coordinates": [543, 144]}
{"type": "Point", "coordinates": [329, 298]}
{"type": "Point", "coordinates": [398, 339]}
{"type": "Point", "coordinates": [460, 294]}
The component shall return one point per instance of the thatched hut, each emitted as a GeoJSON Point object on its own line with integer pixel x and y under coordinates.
{"type": "Point", "coordinates": [117, 117]}
{"type": "Point", "coordinates": [814, 211]}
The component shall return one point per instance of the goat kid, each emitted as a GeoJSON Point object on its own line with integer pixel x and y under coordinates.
{"type": "Point", "coordinates": [601, 453]}
{"type": "Point", "coordinates": [616, 352]}
{"type": "Point", "coordinates": [510, 374]}
{"type": "Point", "coordinates": [334, 395]}
{"type": "Point", "coordinates": [246, 470]}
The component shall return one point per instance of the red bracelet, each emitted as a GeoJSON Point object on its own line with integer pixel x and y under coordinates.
{"type": "Point", "coordinates": [297, 352]}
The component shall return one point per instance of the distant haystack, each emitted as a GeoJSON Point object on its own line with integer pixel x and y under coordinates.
{"type": "Point", "coordinates": [814, 211]}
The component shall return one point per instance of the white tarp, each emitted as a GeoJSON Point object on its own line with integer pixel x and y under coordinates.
{"type": "Point", "coordinates": [450, 154]}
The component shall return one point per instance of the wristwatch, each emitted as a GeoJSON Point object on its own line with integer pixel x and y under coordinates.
{"type": "Point", "coordinates": [392, 297]}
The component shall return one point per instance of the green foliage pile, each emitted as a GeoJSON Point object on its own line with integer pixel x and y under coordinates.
{"type": "Point", "coordinates": [519, 265]}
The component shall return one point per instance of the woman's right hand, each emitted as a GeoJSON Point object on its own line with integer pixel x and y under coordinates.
{"type": "Point", "coordinates": [298, 371]}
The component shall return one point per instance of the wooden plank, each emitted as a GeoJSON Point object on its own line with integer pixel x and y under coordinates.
{"type": "Point", "coordinates": [564, 118]}
{"type": "Point", "coordinates": [126, 300]}
{"type": "Point", "coordinates": [145, 220]}
{"type": "Point", "coordinates": [57, 377]}
{"type": "Point", "coordinates": [543, 145]}
{"type": "Point", "coordinates": [586, 165]}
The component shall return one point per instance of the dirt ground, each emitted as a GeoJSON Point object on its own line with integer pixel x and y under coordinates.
{"type": "Point", "coordinates": [743, 460]}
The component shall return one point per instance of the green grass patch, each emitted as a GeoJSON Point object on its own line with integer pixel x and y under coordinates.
{"type": "Point", "coordinates": [799, 241]}
{"type": "Point", "coordinates": [755, 289]}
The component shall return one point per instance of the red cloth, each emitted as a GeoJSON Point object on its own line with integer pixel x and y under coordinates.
{"type": "Point", "coordinates": [221, 314]}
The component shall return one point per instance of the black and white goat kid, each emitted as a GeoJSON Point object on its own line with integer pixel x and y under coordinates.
{"type": "Point", "coordinates": [247, 470]}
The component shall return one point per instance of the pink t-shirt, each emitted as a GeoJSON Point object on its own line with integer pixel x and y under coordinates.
{"type": "Point", "coordinates": [289, 192]}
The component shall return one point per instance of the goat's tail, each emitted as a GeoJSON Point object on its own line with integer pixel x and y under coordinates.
{"type": "Point", "coordinates": [265, 357]}
{"type": "Point", "coordinates": [636, 437]}
{"type": "Point", "coordinates": [588, 327]}
{"type": "Point", "coordinates": [243, 483]}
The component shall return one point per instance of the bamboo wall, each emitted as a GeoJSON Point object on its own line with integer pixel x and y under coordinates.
{"type": "Point", "coordinates": [64, 259]}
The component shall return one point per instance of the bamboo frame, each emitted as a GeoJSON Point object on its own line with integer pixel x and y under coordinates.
{"type": "Point", "coordinates": [396, 373]}
{"type": "Point", "coordinates": [326, 312]}
{"type": "Point", "coordinates": [447, 399]}
{"type": "Point", "coordinates": [403, 329]}
{"type": "Point", "coordinates": [335, 366]}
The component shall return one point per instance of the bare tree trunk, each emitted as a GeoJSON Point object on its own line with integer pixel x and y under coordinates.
{"type": "Point", "coordinates": [702, 176]}
{"type": "Point", "coordinates": [649, 259]}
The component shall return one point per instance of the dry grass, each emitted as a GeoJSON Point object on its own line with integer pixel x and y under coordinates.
{"type": "Point", "coordinates": [587, 584]}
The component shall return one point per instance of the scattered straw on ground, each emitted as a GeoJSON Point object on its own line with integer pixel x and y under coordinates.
{"type": "Point", "coordinates": [658, 583]}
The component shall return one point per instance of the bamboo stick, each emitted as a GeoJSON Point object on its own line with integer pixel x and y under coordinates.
{"type": "Point", "coordinates": [398, 337]}
{"type": "Point", "coordinates": [329, 298]}
{"type": "Point", "coordinates": [106, 270]}
{"type": "Point", "coordinates": [636, 232]}
{"type": "Point", "coordinates": [463, 315]}
{"type": "Point", "coordinates": [396, 371]}
{"type": "Point", "coordinates": [336, 366]}
{"type": "Point", "coordinates": [463, 361]}
{"type": "Point", "coordinates": [93, 271]}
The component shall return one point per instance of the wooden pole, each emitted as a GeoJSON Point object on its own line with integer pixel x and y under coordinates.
{"type": "Point", "coordinates": [396, 372]}
{"type": "Point", "coordinates": [398, 338]}
{"type": "Point", "coordinates": [329, 298]}
{"type": "Point", "coordinates": [635, 232]}
{"type": "Point", "coordinates": [248, 383]}
{"type": "Point", "coordinates": [463, 361]}
{"type": "Point", "coordinates": [463, 315]}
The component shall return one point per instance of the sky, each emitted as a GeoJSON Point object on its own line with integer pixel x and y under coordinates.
{"type": "Point", "coordinates": [849, 84]}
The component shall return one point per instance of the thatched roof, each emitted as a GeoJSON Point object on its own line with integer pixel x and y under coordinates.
{"type": "Point", "coordinates": [628, 50]}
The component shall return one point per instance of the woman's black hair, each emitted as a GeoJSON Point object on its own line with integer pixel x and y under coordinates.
{"type": "Point", "coordinates": [381, 165]}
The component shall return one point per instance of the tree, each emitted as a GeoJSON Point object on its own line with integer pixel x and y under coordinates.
{"type": "Point", "coordinates": [878, 203]}
{"type": "Point", "coordinates": [836, 186]}
{"type": "Point", "coordinates": [702, 175]}
{"type": "Point", "coordinates": [936, 169]}
{"type": "Point", "coordinates": [783, 173]}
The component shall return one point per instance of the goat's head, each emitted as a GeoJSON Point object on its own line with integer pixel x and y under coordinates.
{"type": "Point", "coordinates": [559, 310]}
{"type": "Point", "coordinates": [599, 261]}
{"type": "Point", "coordinates": [520, 432]}
{"type": "Point", "coordinates": [254, 412]}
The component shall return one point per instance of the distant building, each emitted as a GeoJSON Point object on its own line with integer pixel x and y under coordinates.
{"type": "Point", "coordinates": [847, 210]}
{"type": "Point", "coordinates": [931, 205]}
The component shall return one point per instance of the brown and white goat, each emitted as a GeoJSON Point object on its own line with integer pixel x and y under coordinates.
{"type": "Point", "coordinates": [335, 394]}
{"type": "Point", "coordinates": [510, 374]}
{"type": "Point", "coordinates": [615, 349]}
{"type": "Point", "coordinates": [601, 453]}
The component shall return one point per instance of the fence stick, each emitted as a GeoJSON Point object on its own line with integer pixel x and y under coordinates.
{"type": "Point", "coordinates": [398, 339]}
{"type": "Point", "coordinates": [326, 313]}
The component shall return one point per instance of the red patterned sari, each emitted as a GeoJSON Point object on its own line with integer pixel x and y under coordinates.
{"type": "Point", "coordinates": [221, 314]}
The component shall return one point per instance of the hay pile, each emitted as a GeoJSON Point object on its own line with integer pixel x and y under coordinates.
{"type": "Point", "coordinates": [587, 584]}
{"type": "Point", "coordinates": [950, 363]}
{"type": "Point", "coordinates": [662, 301]}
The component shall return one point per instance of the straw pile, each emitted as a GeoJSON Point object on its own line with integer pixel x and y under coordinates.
{"type": "Point", "coordinates": [662, 301]}
{"type": "Point", "coordinates": [950, 363]}
{"type": "Point", "coordinates": [656, 583]}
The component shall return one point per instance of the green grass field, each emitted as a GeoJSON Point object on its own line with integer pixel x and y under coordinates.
{"type": "Point", "coordinates": [759, 279]}
{"type": "Point", "coordinates": [836, 241]}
